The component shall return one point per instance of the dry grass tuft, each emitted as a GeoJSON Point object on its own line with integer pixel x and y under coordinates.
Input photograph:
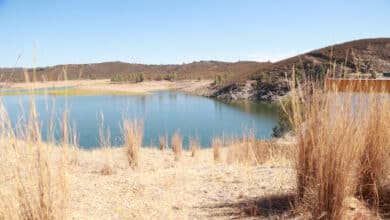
{"type": "Point", "coordinates": [177, 145]}
{"type": "Point", "coordinates": [374, 161]}
{"type": "Point", "coordinates": [106, 170]}
{"type": "Point", "coordinates": [241, 150]}
{"type": "Point", "coordinates": [74, 148]}
{"type": "Point", "coordinates": [133, 132]}
{"type": "Point", "coordinates": [217, 147]}
{"type": "Point", "coordinates": [342, 147]}
{"type": "Point", "coordinates": [69, 139]}
{"type": "Point", "coordinates": [105, 143]}
{"type": "Point", "coordinates": [324, 161]}
{"type": "Point", "coordinates": [250, 151]}
{"type": "Point", "coordinates": [271, 152]}
{"type": "Point", "coordinates": [33, 183]}
{"type": "Point", "coordinates": [194, 146]}
{"type": "Point", "coordinates": [163, 140]}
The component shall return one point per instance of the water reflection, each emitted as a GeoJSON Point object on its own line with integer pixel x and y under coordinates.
{"type": "Point", "coordinates": [162, 112]}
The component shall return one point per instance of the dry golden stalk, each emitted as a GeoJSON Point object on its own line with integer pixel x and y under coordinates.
{"type": "Point", "coordinates": [217, 147]}
{"type": "Point", "coordinates": [194, 146]}
{"type": "Point", "coordinates": [177, 145]}
{"type": "Point", "coordinates": [133, 132]}
{"type": "Point", "coordinates": [342, 148]}
{"type": "Point", "coordinates": [163, 140]}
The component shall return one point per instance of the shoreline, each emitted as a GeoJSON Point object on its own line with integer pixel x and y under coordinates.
{"type": "Point", "coordinates": [161, 186]}
{"type": "Point", "coordinates": [90, 87]}
{"type": "Point", "coordinates": [205, 88]}
{"type": "Point", "coordinates": [164, 188]}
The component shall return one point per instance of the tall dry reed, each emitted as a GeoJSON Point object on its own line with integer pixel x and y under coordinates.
{"type": "Point", "coordinates": [163, 141]}
{"type": "Point", "coordinates": [242, 150]}
{"type": "Point", "coordinates": [33, 174]}
{"type": "Point", "coordinates": [374, 161]}
{"type": "Point", "coordinates": [105, 143]}
{"type": "Point", "coordinates": [217, 148]}
{"type": "Point", "coordinates": [133, 132]}
{"type": "Point", "coordinates": [194, 146]}
{"type": "Point", "coordinates": [69, 139]}
{"type": "Point", "coordinates": [339, 150]}
{"type": "Point", "coordinates": [177, 145]}
{"type": "Point", "coordinates": [272, 152]}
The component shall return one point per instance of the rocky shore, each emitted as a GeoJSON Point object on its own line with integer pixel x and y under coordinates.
{"type": "Point", "coordinates": [252, 90]}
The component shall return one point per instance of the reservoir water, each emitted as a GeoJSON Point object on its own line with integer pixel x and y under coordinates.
{"type": "Point", "coordinates": [162, 112]}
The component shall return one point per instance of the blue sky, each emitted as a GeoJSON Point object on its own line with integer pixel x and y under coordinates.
{"type": "Point", "coordinates": [53, 32]}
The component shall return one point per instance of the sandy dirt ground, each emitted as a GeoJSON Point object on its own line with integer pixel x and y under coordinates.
{"type": "Point", "coordinates": [52, 84]}
{"type": "Point", "coordinates": [191, 86]}
{"type": "Point", "coordinates": [161, 188]}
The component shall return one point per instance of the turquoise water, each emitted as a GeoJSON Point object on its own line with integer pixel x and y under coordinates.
{"type": "Point", "coordinates": [162, 112]}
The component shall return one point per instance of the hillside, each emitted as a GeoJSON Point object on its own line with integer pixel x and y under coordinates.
{"type": "Point", "coordinates": [239, 80]}
{"type": "Point", "coordinates": [194, 70]}
{"type": "Point", "coordinates": [268, 82]}
{"type": "Point", "coordinates": [355, 55]}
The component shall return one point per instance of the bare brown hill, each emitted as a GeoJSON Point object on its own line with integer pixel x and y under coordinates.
{"type": "Point", "coordinates": [269, 81]}
{"type": "Point", "coordinates": [356, 56]}
{"type": "Point", "coordinates": [245, 79]}
{"type": "Point", "coordinates": [194, 70]}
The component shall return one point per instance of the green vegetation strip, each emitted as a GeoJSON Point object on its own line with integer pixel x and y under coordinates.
{"type": "Point", "coordinates": [67, 92]}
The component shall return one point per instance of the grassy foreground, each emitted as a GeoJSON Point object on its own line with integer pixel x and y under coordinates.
{"type": "Point", "coordinates": [335, 167]}
{"type": "Point", "coordinates": [43, 181]}
{"type": "Point", "coordinates": [162, 187]}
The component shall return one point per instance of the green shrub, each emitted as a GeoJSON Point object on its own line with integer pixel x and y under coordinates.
{"type": "Point", "coordinates": [218, 79]}
{"type": "Point", "coordinates": [171, 76]}
{"type": "Point", "coordinates": [159, 77]}
{"type": "Point", "coordinates": [284, 123]}
{"type": "Point", "coordinates": [265, 78]}
{"type": "Point", "coordinates": [128, 77]}
{"type": "Point", "coordinates": [140, 77]}
{"type": "Point", "coordinates": [222, 77]}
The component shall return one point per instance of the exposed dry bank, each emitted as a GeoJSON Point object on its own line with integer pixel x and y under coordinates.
{"type": "Point", "coordinates": [341, 170]}
{"type": "Point", "coordinates": [44, 181]}
{"type": "Point", "coordinates": [80, 87]}
{"type": "Point", "coordinates": [160, 187]}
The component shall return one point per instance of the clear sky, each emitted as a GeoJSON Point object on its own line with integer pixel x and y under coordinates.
{"type": "Point", "coordinates": [41, 33]}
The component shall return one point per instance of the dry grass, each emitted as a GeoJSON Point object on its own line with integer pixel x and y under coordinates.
{"type": "Point", "coordinates": [164, 189]}
{"type": "Point", "coordinates": [177, 145]}
{"type": "Point", "coordinates": [326, 150]}
{"type": "Point", "coordinates": [249, 151]}
{"type": "Point", "coordinates": [69, 139]}
{"type": "Point", "coordinates": [105, 143]}
{"type": "Point", "coordinates": [374, 161]}
{"type": "Point", "coordinates": [74, 147]}
{"type": "Point", "coordinates": [194, 146]}
{"type": "Point", "coordinates": [217, 146]}
{"type": "Point", "coordinates": [241, 150]}
{"type": "Point", "coordinates": [133, 132]}
{"type": "Point", "coordinates": [342, 146]}
{"type": "Point", "coordinates": [272, 152]}
{"type": "Point", "coordinates": [163, 142]}
{"type": "Point", "coordinates": [106, 170]}
{"type": "Point", "coordinates": [33, 182]}
{"type": "Point", "coordinates": [36, 187]}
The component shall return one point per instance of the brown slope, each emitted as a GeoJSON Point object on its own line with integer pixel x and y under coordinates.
{"type": "Point", "coordinates": [355, 54]}
{"type": "Point", "coordinates": [202, 69]}
{"type": "Point", "coordinates": [360, 55]}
